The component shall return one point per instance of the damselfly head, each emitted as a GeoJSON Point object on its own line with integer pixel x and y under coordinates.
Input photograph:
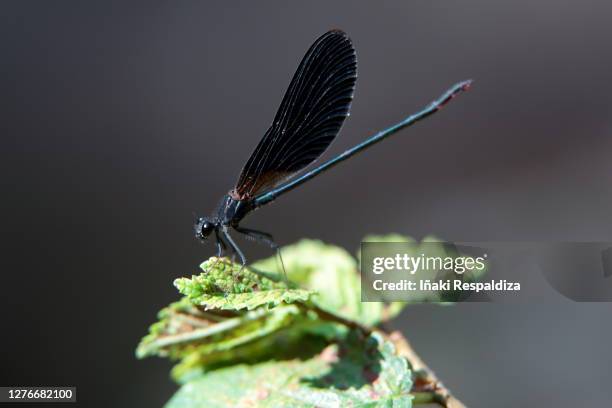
{"type": "Point", "coordinates": [203, 228]}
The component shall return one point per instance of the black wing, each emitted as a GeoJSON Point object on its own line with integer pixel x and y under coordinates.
{"type": "Point", "coordinates": [309, 117]}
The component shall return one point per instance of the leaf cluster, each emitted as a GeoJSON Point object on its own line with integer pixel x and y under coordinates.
{"type": "Point", "coordinates": [243, 337]}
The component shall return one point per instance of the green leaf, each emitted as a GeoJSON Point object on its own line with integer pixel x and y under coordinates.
{"type": "Point", "coordinates": [227, 315]}
{"type": "Point", "coordinates": [252, 338]}
{"type": "Point", "coordinates": [201, 340]}
{"type": "Point", "coordinates": [250, 301]}
{"type": "Point", "coordinates": [355, 372]}
{"type": "Point", "coordinates": [175, 321]}
{"type": "Point", "coordinates": [333, 274]}
{"type": "Point", "coordinates": [227, 286]}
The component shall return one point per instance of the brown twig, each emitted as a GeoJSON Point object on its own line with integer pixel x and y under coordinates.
{"type": "Point", "coordinates": [427, 387]}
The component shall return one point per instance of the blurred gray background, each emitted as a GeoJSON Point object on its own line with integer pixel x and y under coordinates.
{"type": "Point", "coordinates": [119, 120]}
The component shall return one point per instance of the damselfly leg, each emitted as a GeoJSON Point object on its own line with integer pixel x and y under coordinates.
{"type": "Point", "coordinates": [267, 239]}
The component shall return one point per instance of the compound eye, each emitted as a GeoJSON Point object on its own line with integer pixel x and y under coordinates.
{"type": "Point", "coordinates": [207, 228]}
{"type": "Point", "coordinates": [203, 228]}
